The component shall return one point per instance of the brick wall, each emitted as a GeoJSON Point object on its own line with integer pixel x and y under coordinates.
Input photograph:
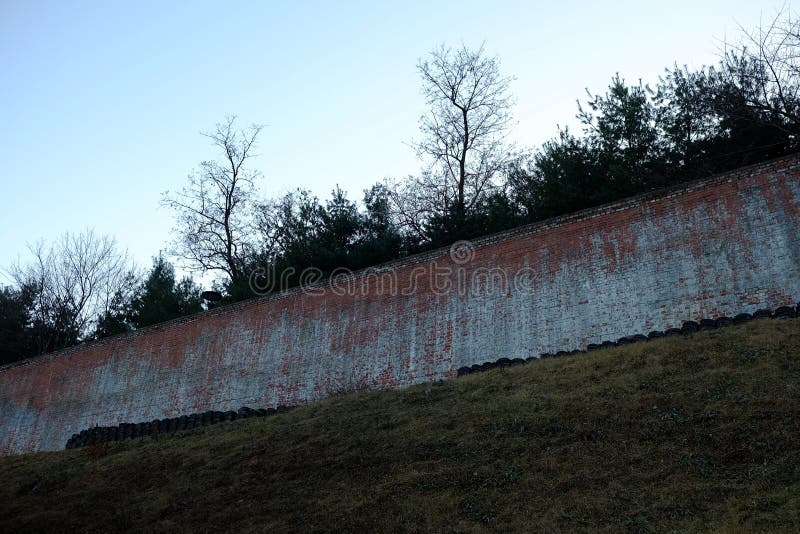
{"type": "Point", "coordinates": [721, 246]}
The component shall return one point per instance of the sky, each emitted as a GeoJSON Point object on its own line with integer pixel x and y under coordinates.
{"type": "Point", "coordinates": [102, 103]}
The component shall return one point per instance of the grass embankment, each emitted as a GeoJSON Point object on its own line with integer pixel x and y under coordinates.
{"type": "Point", "coordinates": [678, 433]}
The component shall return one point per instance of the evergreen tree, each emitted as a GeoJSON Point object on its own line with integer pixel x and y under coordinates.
{"type": "Point", "coordinates": [381, 240]}
{"type": "Point", "coordinates": [161, 298]}
{"type": "Point", "coordinates": [689, 122]}
{"type": "Point", "coordinates": [118, 317]}
{"type": "Point", "coordinates": [15, 335]}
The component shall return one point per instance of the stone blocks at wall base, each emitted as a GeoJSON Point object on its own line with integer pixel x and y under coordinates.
{"type": "Point", "coordinates": [125, 431]}
{"type": "Point", "coordinates": [689, 327]}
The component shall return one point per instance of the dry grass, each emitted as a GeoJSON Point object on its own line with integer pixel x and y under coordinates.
{"type": "Point", "coordinates": [677, 434]}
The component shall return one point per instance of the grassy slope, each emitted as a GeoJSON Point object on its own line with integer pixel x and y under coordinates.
{"type": "Point", "coordinates": [678, 433]}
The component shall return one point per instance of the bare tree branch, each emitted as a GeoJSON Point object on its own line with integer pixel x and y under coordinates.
{"type": "Point", "coordinates": [765, 65]}
{"type": "Point", "coordinates": [72, 282]}
{"type": "Point", "coordinates": [214, 212]}
{"type": "Point", "coordinates": [462, 136]}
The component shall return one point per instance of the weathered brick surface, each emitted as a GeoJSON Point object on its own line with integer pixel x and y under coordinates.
{"type": "Point", "coordinates": [718, 247]}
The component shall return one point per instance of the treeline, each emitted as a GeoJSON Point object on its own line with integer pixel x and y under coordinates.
{"type": "Point", "coordinates": [634, 138]}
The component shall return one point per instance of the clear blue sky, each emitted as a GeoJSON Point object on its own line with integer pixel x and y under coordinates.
{"type": "Point", "coordinates": [101, 103]}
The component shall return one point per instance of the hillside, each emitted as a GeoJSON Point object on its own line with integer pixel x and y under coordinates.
{"type": "Point", "coordinates": [670, 434]}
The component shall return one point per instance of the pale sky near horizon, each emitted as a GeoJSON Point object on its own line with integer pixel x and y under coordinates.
{"type": "Point", "coordinates": [103, 102]}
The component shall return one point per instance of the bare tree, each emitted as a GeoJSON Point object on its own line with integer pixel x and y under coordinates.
{"type": "Point", "coordinates": [214, 211]}
{"type": "Point", "coordinates": [765, 64]}
{"type": "Point", "coordinates": [416, 200]}
{"type": "Point", "coordinates": [270, 227]}
{"type": "Point", "coordinates": [69, 284]}
{"type": "Point", "coordinates": [462, 133]}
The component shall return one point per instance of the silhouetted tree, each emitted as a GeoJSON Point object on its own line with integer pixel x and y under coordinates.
{"type": "Point", "coordinates": [462, 138]}
{"type": "Point", "coordinates": [307, 237]}
{"type": "Point", "coordinates": [381, 240]}
{"type": "Point", "coordinates": [118, 316]}
{"type": "Point", "coordinates": [214, 212]}
{"type": "Point", "coordinates": [68, 285]}
{"type": "Point", "coordinates": [621, 128]}
{"type": "Point", "coordinates": [16, 341]}
{"type": "Point", "coordinates": [157, 298]}
{"type": "Point", "coordinates": [747, 133]}
{"type": "Point", "coordinates": [689, 123]}
{"type": "Point", "coordinates": [565, 175]}
{"type": "Point", "coordinates": [162, 297]}
{"type": "Point", "coordinates": [765, 65]}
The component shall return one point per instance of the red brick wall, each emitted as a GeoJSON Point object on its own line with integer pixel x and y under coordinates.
{"type": "Point", "coordinates": [722, 246]}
